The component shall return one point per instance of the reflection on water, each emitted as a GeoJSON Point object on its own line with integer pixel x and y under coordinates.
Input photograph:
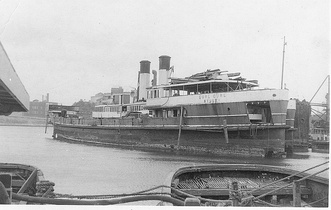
{"type": "Point", "coordinates": [82, 169]}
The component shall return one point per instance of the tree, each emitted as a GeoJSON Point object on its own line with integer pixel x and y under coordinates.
{"type": "Point", "coordinates": [85, 108]}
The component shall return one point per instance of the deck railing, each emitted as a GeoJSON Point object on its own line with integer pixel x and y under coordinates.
{"type": "Point", "coordinates": [159, 121]}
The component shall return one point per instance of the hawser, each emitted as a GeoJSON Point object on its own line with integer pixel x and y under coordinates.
{"type": "Point", "coordinates": [213, 112]}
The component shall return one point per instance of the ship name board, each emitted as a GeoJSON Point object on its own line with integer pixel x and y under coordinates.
{"type": "Point", "coordinates": [211, 98]}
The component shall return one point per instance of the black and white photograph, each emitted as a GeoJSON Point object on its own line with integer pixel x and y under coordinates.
{"type": "Point", "coordinates": [138, 104]}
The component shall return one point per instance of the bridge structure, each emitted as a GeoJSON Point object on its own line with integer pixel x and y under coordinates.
{"type": "Point", "coordinates": [13, 95]}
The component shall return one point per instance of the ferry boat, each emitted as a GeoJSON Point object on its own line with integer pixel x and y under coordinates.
{"type": "Point", "coordinates": [212, 112]}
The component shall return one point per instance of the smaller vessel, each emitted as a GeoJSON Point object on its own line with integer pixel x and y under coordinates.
{"type": "Point", "coordinates": [20, 179]}
{"type": "Point", "coordinates": [249, 185]}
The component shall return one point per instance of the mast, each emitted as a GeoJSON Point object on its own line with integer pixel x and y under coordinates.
{"type": "Point", "coordinates": [281, 84]}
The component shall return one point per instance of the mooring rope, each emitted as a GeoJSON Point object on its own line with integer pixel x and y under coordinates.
{"type": "Point", "coordinates": [309, 204]}
{"type": "Point", "coordinates": [285, 178]}
{"type": "Point", "coordinates": [59, 195]}
{"type": "Point", "coordinates": [267, 193]}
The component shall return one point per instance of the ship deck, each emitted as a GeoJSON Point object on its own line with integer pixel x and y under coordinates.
{"type": "Point", "coordinates": [220, 186]}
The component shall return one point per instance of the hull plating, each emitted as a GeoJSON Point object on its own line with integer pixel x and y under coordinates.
{"type": "Point", "coordinates": [245, 141]}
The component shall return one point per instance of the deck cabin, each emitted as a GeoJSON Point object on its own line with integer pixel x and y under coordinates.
{"type": "Point", "coordinates": [213, 94]}
{"type": "Point", "coordinates": [119, 110]}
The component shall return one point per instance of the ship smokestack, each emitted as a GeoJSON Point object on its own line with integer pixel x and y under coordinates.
{"type": "Point", "coordinates": [164, 66]}
{"type": "Point", "coordinates": [144, 79]}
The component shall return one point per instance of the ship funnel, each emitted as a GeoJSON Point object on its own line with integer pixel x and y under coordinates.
{"type": "Point", "coordinates": [164, 66]}
{"type": "Point", "coordinates": [145, 67]}
{"type": "Point", "coordinates": [154, 81]}
{"type": "Point", "coordinates": [144, 79]}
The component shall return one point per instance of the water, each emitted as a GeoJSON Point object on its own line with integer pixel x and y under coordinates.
{"type": "Point", "coordinates": [82, 169]}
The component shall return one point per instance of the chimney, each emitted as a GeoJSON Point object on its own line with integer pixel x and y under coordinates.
{"type": "Point", "coordinates": [164, 66]}
{"type": "Point", "coordinates": [144, 79]}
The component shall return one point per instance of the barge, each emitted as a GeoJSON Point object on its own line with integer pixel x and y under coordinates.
{"type": "Point", "coordinates": [19, 179]}
{"type": "Point", "coordinates": [249, 185]}
{"type": "Point", "coordinates": [213, 112]}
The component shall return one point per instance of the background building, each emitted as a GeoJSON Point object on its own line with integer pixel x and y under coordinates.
{"type": "Point", "coordinates": [39, 108]}
{"type": "Point", "coordinates": [116, 96]}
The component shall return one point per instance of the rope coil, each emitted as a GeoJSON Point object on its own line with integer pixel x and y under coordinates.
{"type": "Point", "coordinates": [45, 189]}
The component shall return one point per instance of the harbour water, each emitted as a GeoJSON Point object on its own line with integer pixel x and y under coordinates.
{"type": "Point", "coordinates": [84, 169]}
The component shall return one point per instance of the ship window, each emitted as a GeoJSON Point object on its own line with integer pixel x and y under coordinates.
{"type": "Point", "coordinates": [164, 113]}
{"type": "Point", "coordinates": [176, 93]}
{"type": "Point", "coordinates": [183, 92]}
{"type": "Point", "coordinates": [171, 92]}
{"type": "Point", "coordinates": [168, 113]}
{"type": "Point", "coordinates": [175, 112]}
{"type": "Point", "coordinates": [166, 93]}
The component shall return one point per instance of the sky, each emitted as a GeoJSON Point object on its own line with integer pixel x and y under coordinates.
{"type": "Point", "coordinates": [74, 49]}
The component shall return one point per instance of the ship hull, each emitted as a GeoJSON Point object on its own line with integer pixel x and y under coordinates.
{"type": "Point", "coordinates": [242, 141]}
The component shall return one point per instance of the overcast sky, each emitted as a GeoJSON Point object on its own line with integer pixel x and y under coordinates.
{"type": "Point", "coordinates": [76, 49]}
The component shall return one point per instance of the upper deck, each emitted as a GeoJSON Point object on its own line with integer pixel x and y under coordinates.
{"type": "Point", "coordinates": [214, 85]}
{"type": "Point", "coordinates": [221, 80]}
{"type": "Point", "coordinates": [211, 86]}
{"type": "Point", "coordinates": [13, 96]}
{"type": "Point", "coordinates": [223, 97]}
